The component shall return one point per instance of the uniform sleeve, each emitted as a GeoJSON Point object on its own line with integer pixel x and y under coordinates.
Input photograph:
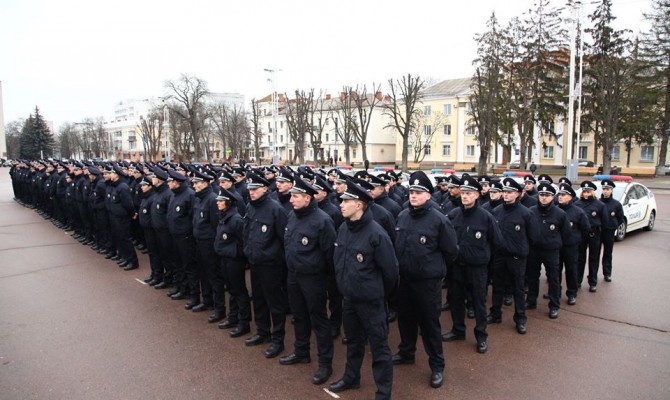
{"type": "Point", "coordinates": [584, 223]}
{"type": "Point", "coordinates": [127, 200]}
{"type": "Point", "coordinates": [495, 237]}
{"type": "Point", "coordinates": [281, 220]}
{"type": "Point", "coordinates": [386, 260]}
{"type": "Point", "coordinates": [604, 216]}
{"type": "Point", "coordinates": [213, 214]}
{"type": "Point", "coordinates": [618, 213]}
{"type": "Point", "coordinates": [565, 228]}
{"type": "Point", "coordinates": [327, 237]}
{"type": "Point", "coordinates": [448, 242]}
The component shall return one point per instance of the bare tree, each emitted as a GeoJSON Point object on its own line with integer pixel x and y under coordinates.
{"type": "Point", "coordinates": [13, 137]}
{"type": "Point", "coordinates": [187, 94]}
{"type": "Point", "coordinates": [68, 140]}
{"type": "Point", "coordinates": [406, 94]}
{"type": "Point", "coordinates": [342, 111]}
{"type": "Point", "coordinates": [181, 138]}
{"type": "Point", "coordinates": [151, 131]}
{"type": "Point", "coordinates": [255, 131]}
{"type": "Point", "coordinates": [422, 137]}
{"type": "Point", "coordinates": [299, 113]}
{"type": "Point", "coordinates": [365, 104]}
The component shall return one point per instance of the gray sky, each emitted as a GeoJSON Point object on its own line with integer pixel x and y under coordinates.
{"type": "Point", "coordinates": [77, 58]}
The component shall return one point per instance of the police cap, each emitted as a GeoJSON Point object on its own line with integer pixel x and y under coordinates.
{"type": "Point", "coordinates": [511, 185]}
{"type": "Point", "coordinates": [588, 185]}
{"type": "Point", "coordinates": [419, 182]}
{"type": "Point", "coordinates": [302, 187]}
{"type": "Point", "coordinates": [355, 192]}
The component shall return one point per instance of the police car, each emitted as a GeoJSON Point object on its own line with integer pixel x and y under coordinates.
{"type": "Point", "coordinates": [639, 203]}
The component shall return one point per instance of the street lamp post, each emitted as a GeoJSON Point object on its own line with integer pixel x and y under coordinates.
{"type": "Point", "coordinates": [166, 119]}
{"type": "Point", "coordinates": [275, 112]}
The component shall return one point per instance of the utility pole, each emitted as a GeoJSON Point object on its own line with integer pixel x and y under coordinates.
{"type": "Point", "coordinates": [166, 119]}
{"type": "Point", "coordinates": [275, 112]}
{"type": "Point", "coordinates": [573, 162]}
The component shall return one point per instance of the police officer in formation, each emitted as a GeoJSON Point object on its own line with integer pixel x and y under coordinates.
{"type": "Point", "coordinates": [320, 243]}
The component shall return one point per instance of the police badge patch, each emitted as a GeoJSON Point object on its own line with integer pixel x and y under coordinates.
{"type": "Point", "coordinates": [202, 214]}
{"type": "Point", "coordinates": [612, 213]}
{"type": "Point", "coordinates": [422, 240]}
{"type": "Point", "coordinates": [593, 213]}
{"type": "Point", "coordinates": [224, 236]}
{"type": "Point", "coordinates": [478, 235]}
{"type": "Point", "coordinates": [158, 206]}
{"type": "Point", "coordinates": [144, 211]}
{"type": "Point", "coordinates": [264, 228]}
{"type": "Point", "coordinates": [517, 228]}
{"type": "Point", "coordinates": [552, 227]}
{"type": "Point", "coordinates": [571, 224]}
{"type": "Point", "coordinates": [177, 209]}
{"type": "Point", "coordinates": [305, 241]}
{"type": "Point", "coordinates": [359, 257]}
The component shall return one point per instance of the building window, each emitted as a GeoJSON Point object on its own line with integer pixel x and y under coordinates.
{"type": "Point", "coordinates": [427, 129]}
{"type": "Point", "coordinates": [470, 130]}
{"type": "Point", "coordinates": [281, 124]}
{"type": "Point", "coordinates": [426, 110]}
{"type": "Point", "coordinates": [133, 145]}
{"type": "Point", "coordinates": [582, 152]}
{"type": "Point", "coordinates": [281, 138]}
{"type": "Point", "coordinates": [446, 150]}
{"type": "Point", "coordinates": [548, 152]}
{"type": "Point", "coordinates": [447, 129]}
{"type": "Point", "coordinates": [616, 153]}
{"type": "Point", "coordinates": [426, 150]}
{"type": "Point", "coordinates": [446, 109]}
{"type": "Point", "coordinates": [326, 138]}
{"type": "Point", "coordinates": [354, 153]}
{"type": "Point", "coordinates": [470, 150]}
{"type": "Point", "coordinates": [647, 153]}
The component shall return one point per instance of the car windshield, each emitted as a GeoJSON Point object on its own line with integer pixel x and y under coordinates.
{"type": "Point", "coordinates": [617, 193]}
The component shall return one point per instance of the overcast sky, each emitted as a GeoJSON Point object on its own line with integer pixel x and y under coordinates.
{"type": "Point", "coordinates": [77, 58]}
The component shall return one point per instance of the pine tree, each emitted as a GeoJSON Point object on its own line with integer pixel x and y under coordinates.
{"type": "Point", "coordinates": [37, 141]}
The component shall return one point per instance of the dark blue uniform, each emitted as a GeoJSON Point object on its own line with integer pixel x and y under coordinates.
{"type": "Point", "coordinates": [180, 225]}
{"type": "Point", "coordinates": [598, 217]}
{"type": "Point", "coordinates": [121, 211]}
{"type": "Point", "coordinates": [153, 247]}
{"type": "Point", "coordinates": [616, 218]}
{"type": "Point", "coordinates": [579, 228]}
{"type": "Point", "coordinates": [169, 257]}
{"type": "Point", "coordinates": [207, 280]}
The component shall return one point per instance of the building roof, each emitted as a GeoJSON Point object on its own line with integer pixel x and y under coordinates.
{"type": "Point", "coordinates": [449, 88]}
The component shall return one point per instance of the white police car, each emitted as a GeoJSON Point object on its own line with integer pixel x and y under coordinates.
{"type": "Point", "coordinates": [639, 203]}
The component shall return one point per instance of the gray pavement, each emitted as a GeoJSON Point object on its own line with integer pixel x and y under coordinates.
{"type": "Point", "coordinates": [75, 326]}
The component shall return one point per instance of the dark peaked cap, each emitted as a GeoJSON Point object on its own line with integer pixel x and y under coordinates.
{"type": "Point", "coordinates": [225, 195]}
{"type": "Point", "coordinates": [567, 189]}
{"type": "Point", "coordinates": [468, 183]}
{"type": "Point", "coordinates": [586, 185]}
{"type": "Point", "coordinates": [511, 185]}
{"type": "Point", "coordinates": [419, 182]}
{"type": "Point", "coordinates": [321, 184]}
{"type": "Point", "coordinates": [176, 176]}
{"type": "Point", "coordinates": [301, 186]}
{"type": "Point", "coordinates": [160, 173]}
{"type": "Point", "coordinates": [255, 181]}
{"type": "Point", "coordinates": [199, 176]}
{"type": "Point", "coordinates": [546, 188]}
{"type": "Point", "coordinates": [355, 192]}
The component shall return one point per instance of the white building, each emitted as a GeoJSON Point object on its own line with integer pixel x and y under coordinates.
{"type": "Point", "coordinates": [3, 140]}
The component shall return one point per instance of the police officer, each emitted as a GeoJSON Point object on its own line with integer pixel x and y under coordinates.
{"type": "Point", "coordinates": [380, 195]}
{"type": "Point", "coordinates": [598, 216]}
{"type": "Point", "coordinates": [284, 181]}
{"type": "Point", "coordinates": [616, 218]}
{"type": "Point", "coordinates": [169, 258]}
{"type": "Point", "coordinates": [425, 246]}
{"type": "Point", "coordinates": [478, 234]}
{"type": "Point", "coordinates": [518, 228]}
{"type": "Point", "coordinates": [265, 222]}
{"type": "Point", "coordinates": [97, 207]}
{"type": "Point", "coordinates": [366, 268]}
{"type": "Point", "coordinates": [146, 202]}
{"type": "Point", "coordinates": [441, 196]}
{"type": "Point", "coordinates": [579, 227]}
{"type": "Point", "coordinates": [495, 196]}
{"type": "Point", "coordinates": [226, 181]}
{"type": "Point", "coordinates": [485, 183]}
{"type": "Point", "coordinates": [229, 246]}
{"type": "Point", "coordinates": [309, 243]}
{"type": "Point", "coordinates": [122, 211]}
{"type": "Point", "coordinates": [529, 186]}
{"type": "Point", "coordinates": [554, 230]}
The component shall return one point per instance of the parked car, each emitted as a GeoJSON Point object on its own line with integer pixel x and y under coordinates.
{"type": "Point", "coordinates": [514, 165]}
{"type": "Point", "coordinates": [667, 169]}
{"type": "Point", "coordinates": [585, 163]}
{"type": "Point", "coordinates": [639, 204]}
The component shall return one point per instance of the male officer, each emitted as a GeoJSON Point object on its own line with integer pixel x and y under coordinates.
{"type": "Point", "coordinates": [166, 249]}
{"type": "Point", "coordinates": [495, 196]}
{"type": "Point", "coordinates": [122, 210]}
{"type": "Point", "coordinates": [598, 216]}
{"type": "Point", "coordinates": [454, 185]}
{"type": "Point", "coordinates": [425, 245]}
{"type": "Point", "coordinates": [380, 195]}
{"type": "Point", "coordinates": [518, 228]}
{"type": "Point", "coordinates": [616, 218]}
{"type": "Point", "coordinates": [366, 268]}
{"type": "Point", "coordinates": [309, 242]}
{"type": "Point", "coordinates": [207, 280]}
{"type": "Point", "coordinates": [579, 227]}
{"type": "Point", "coordinates": [265, 222]}
{"type": "Point", "coordinates": [284, 182]}
{"type": "Point", "coordinates": [485, 183]}
{"type": "Point", "coordinates": [146, 202]}
{"type": "Point", "coordinates": [442, 196]}
{"type": "Point", "coordinates": [554, 230]}
{"type": "Point", "coordinates": [478, 234]}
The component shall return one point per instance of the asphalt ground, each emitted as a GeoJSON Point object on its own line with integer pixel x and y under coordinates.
{"type": "Point", "coordinates": [75, 326]}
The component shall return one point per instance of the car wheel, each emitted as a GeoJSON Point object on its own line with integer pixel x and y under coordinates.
{"type": "Point", "coordinates": [621, 232]}
{"type": "Point", "coordinates": [652, 221]}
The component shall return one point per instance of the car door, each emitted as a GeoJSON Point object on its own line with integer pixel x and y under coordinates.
{"type": "Point", "coordinates": [632, 206]}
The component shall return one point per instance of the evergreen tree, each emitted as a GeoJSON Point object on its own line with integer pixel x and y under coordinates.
{"type": "Point", "coordinates": [36, 140]}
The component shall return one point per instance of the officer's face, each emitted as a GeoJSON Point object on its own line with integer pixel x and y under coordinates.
{"type": "Point", "coordinates": [564, 198]}
{"type": "Point", "coordinates": [377, 191]}
{"type": "Point", "coordinates": [226, 184]}
{"type": "Point", "coordinates": [495, 195]}
{"type": "Point", "coordinates": [257, 193]}
{"type": "Point", "coordinates": [299, 200]}
{"type": "Point", "coordinates": [485, 187]}
{"type": "Point", "coordinates": [199, 185]}
{"type": "Point", "coordinates": [607, 192]}
{"type": "Point", "coordinates": [545, 198]}
{"type": "Point", "coordinates": [510, 196]}
{"type": "Point", "coordinates": [455, 191]}
{"type": "Point", "coordinates": [443, 187]}
{"type": "Point", "coordinates": [418, 198]}
{"type": "Point", "coordinates": [351, 208]}
{"type": "Point", "coordinates": [340, 187]}
{"type": "Point", "coordinates": [221, 205]}
{"type": "Point", "coordinates": [528, 186]}
{"type": "Point", "coordinates": [284, 187]}
{"type": "Point", "coordinates": [114, 176]}
{"type": "Point", "coordinates": [173, 184]}
{"type": "Point", "coordinates": [320, 195]}
{"type": "Point", "coordinates": [587, 193]}
{"type": "Point", "coordinates": [145, 188]}
{"type": "Point", "coordinates": [469, 198]}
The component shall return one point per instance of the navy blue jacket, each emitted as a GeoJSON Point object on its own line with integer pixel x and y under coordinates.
{"type": "Point", "coordinates": [615, 211]}
{"type": "Point", "coordinates": [553, 224]}
{"type": "Point", "coordinates": [425, 243]}
{"type": "Point", "coordinates": [309, 240]}
{"type": "Point", "coordinates": [229, 236]}
{"type": "Point", "coordinates": [596, 212]}
{"type": "Point", "coordinates": [180, 211]}
{"type": "Point", "coordinates": [121, 204]}
{"type": "Point", "coordinates": [146, 207]}
{"type": "Point", "coordinates": [390, 205]}
{"type": "Point", "coordinates": [478, 234]}
{"type": "Point", "coordinates": [98, 194]}
{"type": "Point", "coordinates": [265, 222]}
{"type": "Point", "coordinates": [517, 227]}
{"type": "Point", "coordinates": [205, 215]}
{"type": "Point", "coordinates": [579, 224]}
{"type": "Point", "coordinates": [365, 264]}
{"type": "Point", "coordinates": [159, 206]}
{"type": "Point", "coordinates": [384, 218]}
{"type": "Point", "coordinates": [333, 212]}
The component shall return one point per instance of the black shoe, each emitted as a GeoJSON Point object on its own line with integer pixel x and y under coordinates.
{"type": "Point", "coordinates": [240, 331]}
{"type": "Point", "coordinates": [521, 328]}
{"type": "Point", "coordinates": [470, 313]}
{"type": "Point", "coordinates": [192, 303]}
{"type": "Point", "coordinates": [321, 375]}
{"type": "Point", "coordinates": [256, 340]}
{"type": "Point", "coordinates": [482, 347]}
{"type": "Point", "coordinates": [227, 324]}
{"type": "Point", "coordinates": [154, 282]}
{"type": "Point", "coordinates": [95, 247]}
{"type": "Point", "coordinates": [216, 316]}
{"type": "Point", "coordinates": [508, 300]}
{"type": "Point", "coordinates": [608, 278]}
{"type": "Point", "coordinates": [530, 306]}
{"type": "Point", "coordinates": [161, 285]}
{"type": "Point", "coordinates": [148, 279]}
{"type": "Point", "coordinates": [115, 258]}
{"type": "Point", "coordinates": [109, 256]}
{"type": "Point", "coordinates": [173, 291]}
{"type": "Point", "coordinates": [76, 235]}
{"type": "Point", "coordinates": [553, 313]}
{"type": "Point", "coordinates": [592, 288]}
{"type": "Point", "coordinates": [545, 296]}
{"type": "Point", "coordinates": [131, 266]}
{"type": "Point", "coordinates": [493, 320]}
{"type": "Point", "coordinates": [274, 350]}
{"type": "Point", "coordinates": [341, 386]}
{"type": "Point", "coordinates": [572, 300]}
{"type": "Point", "coordinates": [201, 307]}
{"type": "Point", "coordinates": [398, 359]}
{"type": "Point", "coordinates": [179, 296]}
{"type": "Point", "coordinates": [436, 379]}
{"type": "Point", "coordinates": [123, 263]}
{"type": "Point", "coordinates": [451, 336]}
{"type": "Point", "coordinates": [392, 316]}
{"type": "Point", "coordinates": [293, 359]}
{"type": "Point", "coordinates": [445, 307]}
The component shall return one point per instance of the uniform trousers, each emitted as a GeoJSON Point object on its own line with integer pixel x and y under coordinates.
{"type": "Point", "coordinates": [607, 238]}
{"type": "Point", "coordinates": [464, 275]}
{"type": "Point", "coordinates": [153, 248]}
{"type": "Point", "coordinates": [208, 276]}
{"type": "Point", "coordinates": [185, 245]}
{"type": "Point", "coordinates": [419, 308]}
{"type": "Point", "coordinates": [508, 268]}
{"type": "Point", "coordinates": [307, 298]}
{"type": "Point", "coordinates": [568, 262]}
{"type": "Point", "coordinates": [121, 232]}
{"type": "Point", "coordinates": [235, 279]}
{"type": "Point", "coordinates": [334, 304]}
{"type": "Point", "coordinates": [361, 320]}
{"type": "Point", "coordinates": [102, 231]}
{"type": "Point", "coordinates": [549, 258]}
{"type": "Point", "coordinates": [270, 300]}
{"type": "Point", "coordinates": [169, 257]}
{"type": "Point", "coordinates": [591, 243]}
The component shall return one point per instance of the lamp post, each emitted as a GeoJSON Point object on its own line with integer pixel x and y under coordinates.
{"type": "Point", "coordinates": [275, 112]}
{"type": "Point", "coordinates": [166, 119]}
